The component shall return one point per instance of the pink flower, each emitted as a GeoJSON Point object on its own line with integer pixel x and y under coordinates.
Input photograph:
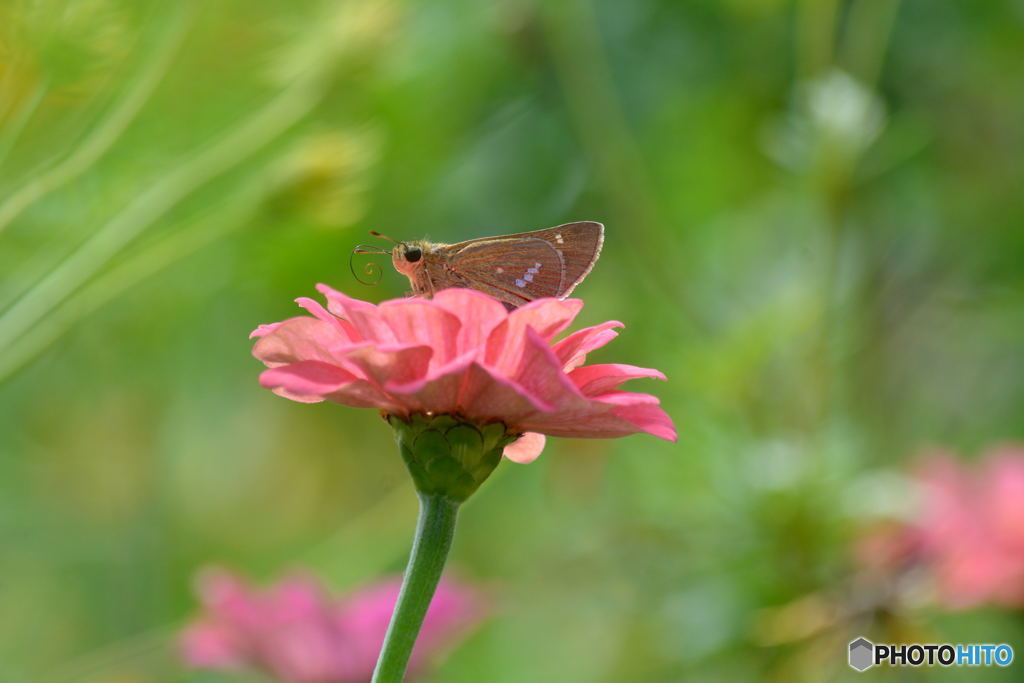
{"type": "Point", "coordinates": [461, 353]}
{"type": "Point", "coordinates": [972, 528]}
{"type": "Point", "coordinates": [967, 537]}
{"type": "Point", "coordinates": [294, 632]}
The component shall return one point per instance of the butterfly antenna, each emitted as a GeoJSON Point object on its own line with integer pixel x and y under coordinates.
{"type": "Point", "coordinates": [383, 237]}
{"type": "Point", "coordinates": [372, 270]}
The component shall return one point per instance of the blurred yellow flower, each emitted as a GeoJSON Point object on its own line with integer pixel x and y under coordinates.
{"type": "Point", "coordinates": [326, 176]}
{"type": "Point", "coordinates": [349, 33]}
{"type": "Point", "coordinates": [70, 46]}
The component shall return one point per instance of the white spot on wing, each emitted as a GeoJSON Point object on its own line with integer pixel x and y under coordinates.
{"type": "Point", "coordinates": [537, 266]}
{"type": "Point", "coordinates": [520, 284]}
{"type": "Point", "coordinates": [500, 270]}
{"type": "Point", "coordinates": [558, 238]}
{"type": "Point", "coordinates": [528, 277]}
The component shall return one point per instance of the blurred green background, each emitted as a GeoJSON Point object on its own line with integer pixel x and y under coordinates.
{"type": "Point", "coordinates": [813, 215]}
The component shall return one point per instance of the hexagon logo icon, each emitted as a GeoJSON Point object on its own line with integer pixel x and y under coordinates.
{"type": "Point", "coordinates": [862, 654]}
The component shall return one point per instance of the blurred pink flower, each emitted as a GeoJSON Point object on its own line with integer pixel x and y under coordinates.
{"type": "Point", "coordinates": [462, 353]}
{"type": "Point", "coordinates": [295, 633]}
{"type": "Point", "coordinates": [967, 537]}
{"type": "Point", "coordinates": [972, 528]}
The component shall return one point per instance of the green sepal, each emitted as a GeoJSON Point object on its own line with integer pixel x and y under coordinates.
{"type": "Point", "coordinates": [448, 456]}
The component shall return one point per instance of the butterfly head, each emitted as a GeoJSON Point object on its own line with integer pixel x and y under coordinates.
{"type": "Point", "coordinates": [407, 258]}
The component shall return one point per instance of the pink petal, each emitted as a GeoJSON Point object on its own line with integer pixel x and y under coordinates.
{"type": "Point", "coordinates": [969, 573]}
{"type": "Point", "coordinates": [594, 380]}
{"type": "Point", "coordinates": [435, 392]}
{"type": "Point", "coordinates": [947, 512]}
{"type": "Point", "coordinates": [364, 317]}
{"type": "Point", "coordinates": [306, 378]}
{"type": "Point", "coordinates": [479, 314]}
{"type": "Point", "coordinates": [365, 394]}
{"type": "Point", "coordinates": [572, 351]}
{"type": "Point", "coordinates": [301, 641]}
{"type": "Point", "coordinates": [229, 600]}
{"type": "Point", "coordinates": [972, 530]}
{"type": "Point", "coordinates": [299, 339]}
{"type": "Point", "coordinates": [264, 330]}
{"type": "Point", "coordinates": [488, 395]}
{"type": "Point", "coordinates": [344, 327]}
{"type": "Point", "coordinates": [209, 645]}
{"type": "Point", "coordinates": [422, 322]}
{"type": "Point", "coordinates": [485, 394]}
{"type": "Point", "coordinates": [284, 393]}
{"type": "Point", "coordinates": [298, 597]}
{"type": "Point", "coordinates": [642, 411]}
{"type": "Point", "coordinates": [608, 416]}
{"type": "Point", "coordinates": [395, 365]}
{"type": "Point", "coordinates": [547, 317]}
{"type": "Point", "coordinates": [1004, 502]}
{"type": "Point", "coordinates": [539, 372]}
{"type": "Point", "coordinates": [314, 381]}
{"type": "Point", "coordinates": [526, 448]}
{"type": "Point", "coordinates": [303, 653]}
{"type": "Point", "coordinates": [468, 388]}
{"type": "Point", "coordinates": [363, 618]}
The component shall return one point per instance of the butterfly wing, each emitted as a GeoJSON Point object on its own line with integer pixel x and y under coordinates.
{"type": "Point", "coordinates": [529, 265]}
{"type": "Point", "coordinates": [515, 270]}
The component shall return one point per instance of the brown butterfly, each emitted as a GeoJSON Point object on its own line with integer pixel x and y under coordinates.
{"type": "Point", "coordinates": [514, 269]}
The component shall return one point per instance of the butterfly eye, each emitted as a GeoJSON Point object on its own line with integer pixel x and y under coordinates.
{"type": "Point", "coordinates": [413, 254]}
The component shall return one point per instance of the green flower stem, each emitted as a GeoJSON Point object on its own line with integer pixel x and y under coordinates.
{"type": "Point", "coordinates": [434, 532]}
{"type": "Point", "coordinates": [448, 458]}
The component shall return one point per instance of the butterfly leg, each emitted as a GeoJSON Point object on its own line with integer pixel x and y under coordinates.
{"type": "Point", "coordinates": [430, 284]}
